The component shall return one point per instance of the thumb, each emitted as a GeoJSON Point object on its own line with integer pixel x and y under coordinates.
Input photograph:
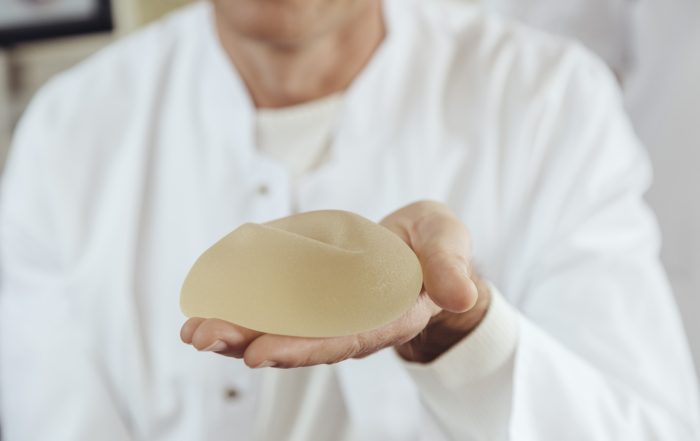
{"type": "Point", "coordinates": [443, 245]}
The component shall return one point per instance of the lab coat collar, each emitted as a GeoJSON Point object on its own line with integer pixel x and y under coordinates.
{"type": "Point", "coordinates": [226, 104]}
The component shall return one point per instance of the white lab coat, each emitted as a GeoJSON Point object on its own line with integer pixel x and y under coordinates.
{"type": "Point", "coordinates": [127, 167]}
{"type": "Point", "coordinates": [654, 47]}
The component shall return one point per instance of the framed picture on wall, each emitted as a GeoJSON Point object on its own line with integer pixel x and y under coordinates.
{"type": "Point", "coordinates": [23, 20]}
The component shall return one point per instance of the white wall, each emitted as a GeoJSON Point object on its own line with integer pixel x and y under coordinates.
{"type": "Point", "coordinates": [26, 67]}
{"type": "Point", "coordinates": [4, 106]}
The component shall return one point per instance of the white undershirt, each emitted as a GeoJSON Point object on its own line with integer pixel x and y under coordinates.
{"type": "Point", "coordinates": [298, 136]}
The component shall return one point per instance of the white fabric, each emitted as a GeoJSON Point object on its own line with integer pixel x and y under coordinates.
{"type": "Point", "coordinates": [298, 136]}
{"type": "Point", "coordinates": [109, 198]}
{"type": "Point", "coordinates": [653, 46]}
{"type": "Point", "coordinates": [489, 352]}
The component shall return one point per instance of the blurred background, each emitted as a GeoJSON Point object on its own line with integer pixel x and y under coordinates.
{"type": "Point", "coordinates": [653, 46]}
{"type": "Point", "coordinates": [39, 38]}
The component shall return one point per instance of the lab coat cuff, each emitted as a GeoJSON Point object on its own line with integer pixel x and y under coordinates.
{"type": "Point", "coordinates": [482, 352]}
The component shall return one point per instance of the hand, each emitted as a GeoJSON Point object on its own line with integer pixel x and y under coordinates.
{"type": "Point", "coordinates": [452, 303]}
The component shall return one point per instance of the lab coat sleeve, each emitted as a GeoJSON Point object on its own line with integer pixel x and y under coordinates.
{"type": "Point", "coordinates": [52, 386]}
{"type": "Point", "coordinates": [489, 354]}
{"type": "Point", "coordinates": [599, 351]}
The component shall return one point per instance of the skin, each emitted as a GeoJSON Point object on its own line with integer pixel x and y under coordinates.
{"type": "Point", "coordinates": [293, 51]}
{"type": "Point", "coordinates": [453, 302]}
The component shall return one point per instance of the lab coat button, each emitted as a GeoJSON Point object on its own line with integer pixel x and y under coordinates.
{"type": "Point", "coordinates": [231, 393]}
{"type": "Point", "coordinates": [263, 189]}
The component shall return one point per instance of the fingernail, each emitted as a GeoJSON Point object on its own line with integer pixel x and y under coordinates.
{"type": "Point", "coordinates": [217, 346]}
{"type": "Point", "coordinates": [266, 363]}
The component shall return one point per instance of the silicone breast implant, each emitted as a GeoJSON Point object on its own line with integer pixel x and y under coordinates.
{"type": "Point", "coordinates": [317, 274]}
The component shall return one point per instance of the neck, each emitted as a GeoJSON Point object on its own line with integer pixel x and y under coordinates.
{"type": "Point", "coordinates": [280, 76]}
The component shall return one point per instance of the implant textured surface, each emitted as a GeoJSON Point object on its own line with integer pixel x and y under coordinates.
{"type": "Point", "coordinates": [316, 274]}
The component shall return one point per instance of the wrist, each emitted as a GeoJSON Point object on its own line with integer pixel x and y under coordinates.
{"type": "Point", "coordinates": [446, 329]}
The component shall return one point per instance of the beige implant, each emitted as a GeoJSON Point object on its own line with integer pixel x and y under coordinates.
{"type": "Point", "coordinates": [317, 274]}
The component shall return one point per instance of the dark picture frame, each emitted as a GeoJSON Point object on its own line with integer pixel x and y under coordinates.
{"type": "Point", "coordinates": [99, 21]}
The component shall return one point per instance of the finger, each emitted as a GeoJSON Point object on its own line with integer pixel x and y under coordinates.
{"type": "Point", "coordinates": [223, 337]}
{"type": "Point", "coordinates": [188, 329]}
{"type": "Point", "coordinates": [443, 246]}
{"type": "Point", "coordinates": [290, 352]}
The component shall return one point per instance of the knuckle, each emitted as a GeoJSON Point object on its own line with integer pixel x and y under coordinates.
{"type": "Point", "coordinates": [361, 347]}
